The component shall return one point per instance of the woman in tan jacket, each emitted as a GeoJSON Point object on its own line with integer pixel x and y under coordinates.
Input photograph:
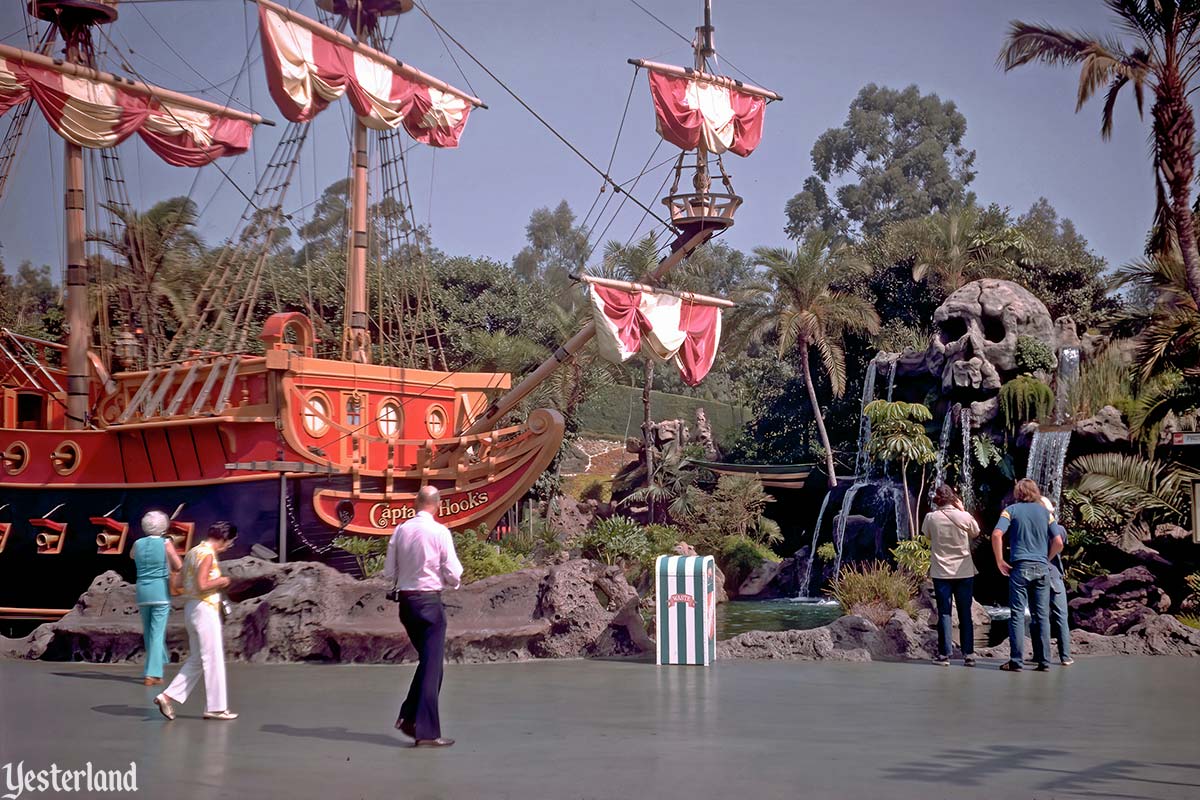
{"type": "Point", "coordinates": [950, 530]}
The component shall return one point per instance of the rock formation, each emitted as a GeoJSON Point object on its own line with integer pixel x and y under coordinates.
{"type": "Point", "coordinates": [1112, 604]}
{"type": "Point", "coordinates": [310, 612]}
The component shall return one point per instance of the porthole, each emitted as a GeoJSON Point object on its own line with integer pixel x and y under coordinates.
{"type": "Point", "coordinates": [435, 421]}
{"type": "Point", "coordinates": [389, 419]}
{"type": "Point", "coordinates": [65, 457]}
{"type": "Point", "coordinates": [316, 414]}
{"type": "Point", "coordinates": [16, 458]}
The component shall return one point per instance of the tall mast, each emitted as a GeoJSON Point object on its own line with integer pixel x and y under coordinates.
{"type": "Point", "coordinates": [356, 339]}
{"type": "Point", "coordinates": [704, 48]}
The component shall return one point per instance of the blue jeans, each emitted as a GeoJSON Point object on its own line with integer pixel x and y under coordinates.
{"type": "Point", "coordinates": [1058, 614]}
{"type": "Point", "coordinates": [1029, 578]}
{"type": "Point", "coordinates": [961, 590]}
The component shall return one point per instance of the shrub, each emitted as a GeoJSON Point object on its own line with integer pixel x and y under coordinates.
{"type": "Point", "coordinates": [368, 551]}
{"type": "Point", "coordinates": [734, 508]}
{"type": "Point", "coordinates": [1022, 399]}
{"type": "Point", "coordinates": [913, 555]}
{"type": "Point", "coordinates": [615, 540]}
{"type": "Point", "coordinates": [873, 591]}
{"type": "Point", "coordinates": [1104, 380]}
{"type": "Point", "coordinates": [1191, 620]}
{"type": "Point", "coordinates": [481, 559]}
{"type": "Point", "coordinates": [740, 556]}
{"type": "Point", "coordinates": [661, 539]}
{"type": "Point", "coordinates": [1033, 355]}
{"type": "Point", "coordinates": [827, 551]}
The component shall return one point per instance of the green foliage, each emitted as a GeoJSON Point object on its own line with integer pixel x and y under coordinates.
{"type": "Point", "coordinates": [1022, 399]}
{"type": "Point", "coordinates": [557, 248]}
{"type": "Point", "coordinates": [958, 245]}
{"type": "Point", "coordinates": [1123, 497]}
{"type": "Point", "coordinates": [827, 551]}
{"type": "Point", "coordinates": [913, 556]}
{"type": "Point", "coordinates": [905, 152]}
{"type": "Point", "coordinates": [615, 540]}
{"type": "Point", "coordinates": [873, 591]}
{"type": "Point", "coordinates": [1034, 355]}
{"type": "Point", "coordinates": [734, 508]}
{"type": "Point", "coordinates": [1191, 620]}
{"type": "Point", "coordinates": [739, 556]}
{"type": "Point", "coordinates": [661, 539]}
{"type": "Point", "coordinates": [897, 433]}
{"type": "Point", "coordinates": [1104, 380]}
{"type": "Point", "coordinates": [986, 451]}
{"type": "Point", "coordinates": [480, 558]}
{"type": "Point", "coordinates": [368, 551]}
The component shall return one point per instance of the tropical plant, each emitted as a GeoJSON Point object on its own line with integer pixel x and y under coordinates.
{"type": "Point", "coordinates": [733, 508]}
{"type": "Point", "coordinates": [913, 556]}
{"type": "Point", "coordinates": [480, 558]}
{"type": "Point", "coordinates": [666, 488]}
{"type": "Point", "coordinates": [1022, 399]}
{"type": "Point", "coordinates": [986, 451]}
{"type": "Point", "coordinates": [368, 551]}
{"type": "Point", "coordinates": [615, 540]}
{"type": "Point", "coordinates": [1033, 355]}
{"type": "Point", "coordinates": [1128, 495]}
{"type": "Point", "coordinates": [1164, 57]}
{"type": "Point", "coordinates": [1104, 380]}
{"type": "Point", "coordinates": [807, 312]}
{"type": "Point", "coordinates": [740, 556]}
{"type": "Point", "coordinates": [874, 591]}
{"type": "Point", "coordinates": [898, 434]}
{"type": "Point", "coordinates": [955, 246]}
{"type": "Point", "coordinates": [827, 551]}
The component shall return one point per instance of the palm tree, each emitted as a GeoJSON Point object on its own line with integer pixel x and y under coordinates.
{"type": "Point", "coordinates": [807, 312]}
{"type": "Point", "coordinates": [161, 252]}
{"type": "Point", "coordinates": [955, 246]}
{"type": "Point", "coordinates": [1164, 57]}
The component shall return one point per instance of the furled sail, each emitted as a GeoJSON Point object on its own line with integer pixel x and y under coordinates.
{"type": "Point", "coordinates": [94, 110]}
{"type": "Point", "coordinates": [309, 66]}
{"type": "Point", "coordinates": [664, 326]}
{"type": "Point", "coordinates": [692, 111]}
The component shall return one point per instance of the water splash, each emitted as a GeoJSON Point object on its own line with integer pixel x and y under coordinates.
{"type": "Point", "coordinates": [839, 531]}
{"type": "Point", "coordinates": [966, 486]}
{"type": "Point", "coordinates": [1068, 373]}
{"type": "Point", "coordinates": [806, 586]}
{"type": "Point", "coordinates": [1047, 457]}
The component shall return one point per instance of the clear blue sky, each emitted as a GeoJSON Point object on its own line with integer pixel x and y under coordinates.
{"type": "Point", "coordinates": [567, 59]}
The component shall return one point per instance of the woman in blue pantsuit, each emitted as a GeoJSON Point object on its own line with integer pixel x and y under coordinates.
{"type": "Point", "coordinates": [156, 558]}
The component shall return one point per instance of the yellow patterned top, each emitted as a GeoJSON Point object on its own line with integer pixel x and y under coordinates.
{"type": "Point", "coordinates": [191, 565]}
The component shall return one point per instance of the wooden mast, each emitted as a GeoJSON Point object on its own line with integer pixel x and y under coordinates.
{"type": "Point", "coordinates": [356, 339]}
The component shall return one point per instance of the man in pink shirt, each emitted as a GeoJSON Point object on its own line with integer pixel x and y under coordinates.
{"type": "Point", "coordinates": [420, 563]}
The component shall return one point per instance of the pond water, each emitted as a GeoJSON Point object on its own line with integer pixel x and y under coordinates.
{"type": "Point", "coordinates": [739, 616]}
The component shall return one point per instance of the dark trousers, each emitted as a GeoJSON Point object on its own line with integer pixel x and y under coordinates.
{"type": "Point", "coordinates": [961, 590]}
{"type": "Point", "coordinates": [1029, 585]}
{"type": "Point", "coordinates": [424, 617]}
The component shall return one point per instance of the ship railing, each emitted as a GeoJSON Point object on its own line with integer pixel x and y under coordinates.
{"type": "Point", "coordinates": [163, 391]}
{"type": "Point", "coordinates": [31, 358]}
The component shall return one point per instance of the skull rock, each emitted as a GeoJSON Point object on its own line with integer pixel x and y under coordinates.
{"type": "Point", "coordinates": [974, 346]}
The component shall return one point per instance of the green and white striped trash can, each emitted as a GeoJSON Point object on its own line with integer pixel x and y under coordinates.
{"type": "Point", "coordinates": [686, 618]}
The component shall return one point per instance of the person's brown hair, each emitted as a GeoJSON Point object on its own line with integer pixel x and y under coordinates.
{"type": "Point", "coordinates": [1027, 491]}
{"type": "Point", "coordinates": [944, 495]}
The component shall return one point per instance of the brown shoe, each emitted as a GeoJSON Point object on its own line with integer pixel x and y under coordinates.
{"type": "Point", "coordinates": [438, 742]}
{"type": "Point", "coordinates": [152, 681]}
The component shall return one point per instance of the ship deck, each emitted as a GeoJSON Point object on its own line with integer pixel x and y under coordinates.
{"type": "Point", "coordinates": [1108, 727]}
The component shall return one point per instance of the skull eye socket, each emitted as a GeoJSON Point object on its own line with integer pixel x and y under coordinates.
{"type": "Point", "coordinates": [993, 328]}
{"type": "Point", "coordinates": [952, 329]}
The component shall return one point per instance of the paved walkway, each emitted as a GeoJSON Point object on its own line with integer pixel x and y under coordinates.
{"type": "Point", "coordinates": [1106, 728]}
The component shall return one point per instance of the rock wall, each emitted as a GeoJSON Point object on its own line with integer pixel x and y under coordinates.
{"type": "Point", "coordinates": [310, 612]}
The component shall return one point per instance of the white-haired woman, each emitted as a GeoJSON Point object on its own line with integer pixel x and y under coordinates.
{"type": "Point", "coordinates": [155, 557]}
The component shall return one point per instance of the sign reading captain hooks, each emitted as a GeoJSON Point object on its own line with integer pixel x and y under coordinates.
{"type": "Point", "coordinates": [686, 603]}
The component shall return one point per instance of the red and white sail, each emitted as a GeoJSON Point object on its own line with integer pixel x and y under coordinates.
{"type": "Point", "coordinates": [98, 114]}
{"type": "Point", "coordinates": [692, 110]}
{"type": "Point", "coordinates": [663, 326]}
{"type": "Point", "coordinates": [309, 66]}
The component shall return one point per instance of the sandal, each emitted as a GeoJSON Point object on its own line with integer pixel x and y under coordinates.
{"type": "Point", "coordinates": [1010, 666]}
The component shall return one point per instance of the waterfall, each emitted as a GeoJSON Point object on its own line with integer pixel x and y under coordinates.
{"type": "Point", "coordinates": [812, 549]}
{"type": "Point", "coordinates": [839, 531]}
{"type": "Point", "coordinates": [1068, 373]}
{"type": "Point", "coordinates": [862, 465]}
{"type": "Point", "coordinates": [966, 489]}
{"type": "Point", "coordinates": [901, 507]}
{"type": "Point", "coordinates": [1047, 456]}
{"type": "Point", "coordinates": [943, 455]}
{"type": "Point", "coordinates": [892, 378]}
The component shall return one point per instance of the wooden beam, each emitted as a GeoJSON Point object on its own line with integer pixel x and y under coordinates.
{"type": "Point", "coordinates": [706, 77]}
{"type": "Point", "coordinates": [698, 299]}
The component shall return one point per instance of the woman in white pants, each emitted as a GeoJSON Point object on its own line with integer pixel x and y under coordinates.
{"type": "Point", "coordinates": [202, 585]}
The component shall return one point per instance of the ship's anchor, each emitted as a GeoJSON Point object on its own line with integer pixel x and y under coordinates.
{"type": "Point", "coordinates": [51, 536]}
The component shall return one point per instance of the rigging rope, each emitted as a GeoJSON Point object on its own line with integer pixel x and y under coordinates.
{"type": "Point", "coordinates": [539, 117]}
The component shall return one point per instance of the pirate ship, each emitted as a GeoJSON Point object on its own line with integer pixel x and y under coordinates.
{"type": "Point", "coordinates": [252, 422]}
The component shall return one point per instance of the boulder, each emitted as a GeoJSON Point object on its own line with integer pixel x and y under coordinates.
{"type": "Point", "coordinates": [1156, 635]}
{"type": "Point", "coordinates": [1104, 428]}
{"type": "Point", "coordinates": [1112, 604]}
{"type": "Point", "coordinates": [309, 612]}
{"type": "Point", "coordinates": [1172, 533]}
{"type": "Point", "coordinates": [848, 638]}
{"type": "Point", "coordinates": [762, 582]}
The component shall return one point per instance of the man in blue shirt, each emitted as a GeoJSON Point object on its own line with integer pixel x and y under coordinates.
{"type": "Point", "coordinates": [1031, 545]}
